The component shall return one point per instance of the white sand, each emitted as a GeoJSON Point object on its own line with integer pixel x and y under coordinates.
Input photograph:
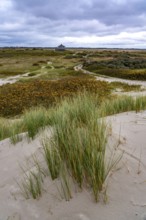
{"type": "Point", "coordinates": [126, 186]}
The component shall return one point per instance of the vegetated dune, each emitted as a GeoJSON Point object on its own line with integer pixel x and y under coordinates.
{"type": "Point", "coordinates": [108, 78]}
{"type": "Point", "coordinates": [125, 197]}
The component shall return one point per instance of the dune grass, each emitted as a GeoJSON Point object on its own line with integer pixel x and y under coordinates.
{"type": "Point", "coordinates": [66, 189]}
{"type": "Point", "coordinates": [15, 129]}
{"type": "Point", "coordinates": [31, 185]}
{"type": "Point", "coordinates": [5, 130]}
{"type": "Point", "coordinates": [11, 128]}
{"type": "Point", "coordinates": [80, 142]}
{"type": "Point", "coordinates": [34, 120]}
{"type": "Point", "coordinates": [75, 109]}
{"type": "Point", "coordinates": [52, 159]}
{"type": "Point", "coordinates": [77, 148]}
{"type": "Point", "coordinates": [122, 104]}
{"type": "Point", "coordinates": [76, 152]}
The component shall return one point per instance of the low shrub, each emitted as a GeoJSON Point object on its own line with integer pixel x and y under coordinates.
{"type": "Point", "coordinates": [133, 69]}
{"type": "Point", "coordinates": [15, 98]}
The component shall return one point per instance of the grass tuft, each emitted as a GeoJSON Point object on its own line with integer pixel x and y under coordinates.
{"type": "Point", "coordinates": [77, 148]}
{"type": "Point", "coordinates": [80, 140]}
{"type": "Point", "coordinates": [4, 128]}
{"type": "Point", "coordinates": [52, 159]}
{"type": "Point", "coordinates": [31, 185]}
{"type": "Point", "coordinates": [34, 120]}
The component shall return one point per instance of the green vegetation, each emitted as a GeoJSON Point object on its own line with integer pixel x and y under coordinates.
{"type": "Point", "coordinates": [127, 65]}
{"type": "Point", "coordinates": [124, 87]}
{"type": "Point", "coordinates": [81, 141]}
{"type": "Point", "coordinates": [23, 60]}
{"type": "Point", "coordinates": [120, 63]}
{"type": "Point", "coordinates": [120, 73]}
{"type": "Point", "coordinates": [15, 98]}
{"type": "Point", "coordinates": [52, 158]}
{"type": "Point", "coordinates": [50, 64]}
{"type": "Point", "coordinates": [5, 130]}
{"type": "Point", "coordinates": [15, 129]}
{"type": "Point", "coordinates": [74, 105]}
{"type": "Point", "coordinates": [11, 128]}
{"type": "Point", "coordinates": [76, 151]}
{"type": "Point", "coordinates": [122, 104]}
{"type": "Point", "coordinates": [38, 118]}
{"type": "Point", "coordinates": [65, 182]}
{"type": "Point", "coordinates": [34, 120]}
{"type": "Point", "coordinates": [31, 185]}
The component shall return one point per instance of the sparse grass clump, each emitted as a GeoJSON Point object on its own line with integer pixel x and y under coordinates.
{"type": "Point", "coordinates": [15, 129]}
{"type": "Point", "coordinates": [140, 103]}
{"type": "Point", "coordinates": [34, 120]}
{"type": "Point", "coordinates": [4, 129]}
{"type": "Point", "coordinates": [31, 185]}
{"type": "Point", "coordinates": [52, 159]}
{"type": "Point", "coordinates": [10, 128]}
{"type": "Point", "coordinates": [122, 104]}
{"type": "Point", "coordinates": [79, 141]}
{"type": "Point", "coordinates": [80, 138]}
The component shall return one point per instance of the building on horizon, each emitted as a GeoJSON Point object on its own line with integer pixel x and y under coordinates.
{"type": "Point", "coordinates": [61, 47]}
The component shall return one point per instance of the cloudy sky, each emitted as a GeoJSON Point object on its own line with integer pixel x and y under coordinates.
{"type": "Point", "coordinates": [75, 23]}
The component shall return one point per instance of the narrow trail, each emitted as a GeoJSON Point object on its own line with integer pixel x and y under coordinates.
{"type": "Point", "coordinates": [12, 79]}
{"type": "Point", "coordinates": [79, 67]}
{"type": "Point", "coordinates": [113, 79]}
{"type": "Point", "coordinates": [16, 78]}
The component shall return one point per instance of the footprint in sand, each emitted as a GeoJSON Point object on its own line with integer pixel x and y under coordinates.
{"type": "Point", "coordinates": [15, 216]}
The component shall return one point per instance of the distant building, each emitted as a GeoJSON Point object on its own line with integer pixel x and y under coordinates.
{"type": "Point", "coordinates": [61, 47]}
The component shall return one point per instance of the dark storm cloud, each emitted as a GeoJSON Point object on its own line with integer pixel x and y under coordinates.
{"type": "Point", "coordinates": [106, 11]}
{"type": "Point", "coordinates": [75, 23]}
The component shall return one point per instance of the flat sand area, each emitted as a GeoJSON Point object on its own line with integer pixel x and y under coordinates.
{"type": "Point", "coordinates": [126, 191]}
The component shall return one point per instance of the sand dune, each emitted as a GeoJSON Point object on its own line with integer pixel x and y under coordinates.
{"type": "Point", "coordinates": [126, 185]}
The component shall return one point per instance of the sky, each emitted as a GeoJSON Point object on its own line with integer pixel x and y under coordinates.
{"type": "Point", "coordinates": [74, 23]}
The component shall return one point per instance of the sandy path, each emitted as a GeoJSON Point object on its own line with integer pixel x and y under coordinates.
{"type": "Point", "coordinates": [111, 79]}
{"type": "Point", "coordinates": [12, 79]}
{"type": "Point", "coordinates": [126, 186]}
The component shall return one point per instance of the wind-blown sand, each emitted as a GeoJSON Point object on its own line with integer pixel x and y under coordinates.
{"type": "Point", "coordinates": [126, 185]}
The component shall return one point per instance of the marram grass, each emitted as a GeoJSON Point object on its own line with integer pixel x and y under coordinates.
{"type": "Point", "coordinates": [34, 120]}
{"type": "Point", "coordinates": [80, 137]}
{"type": "Point", "coordinates": [122, 104]}
{"type": "Point", "coordinates": [80, 141]}
{"type": "Point", "coordinates": [78, 145]}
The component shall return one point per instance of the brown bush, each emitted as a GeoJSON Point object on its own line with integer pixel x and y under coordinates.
{"type": "Point", "coordinates": [15, 98]}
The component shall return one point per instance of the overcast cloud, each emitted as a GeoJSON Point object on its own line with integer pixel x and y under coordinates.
{"type": "Point", "coordinates": [85, 23]}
